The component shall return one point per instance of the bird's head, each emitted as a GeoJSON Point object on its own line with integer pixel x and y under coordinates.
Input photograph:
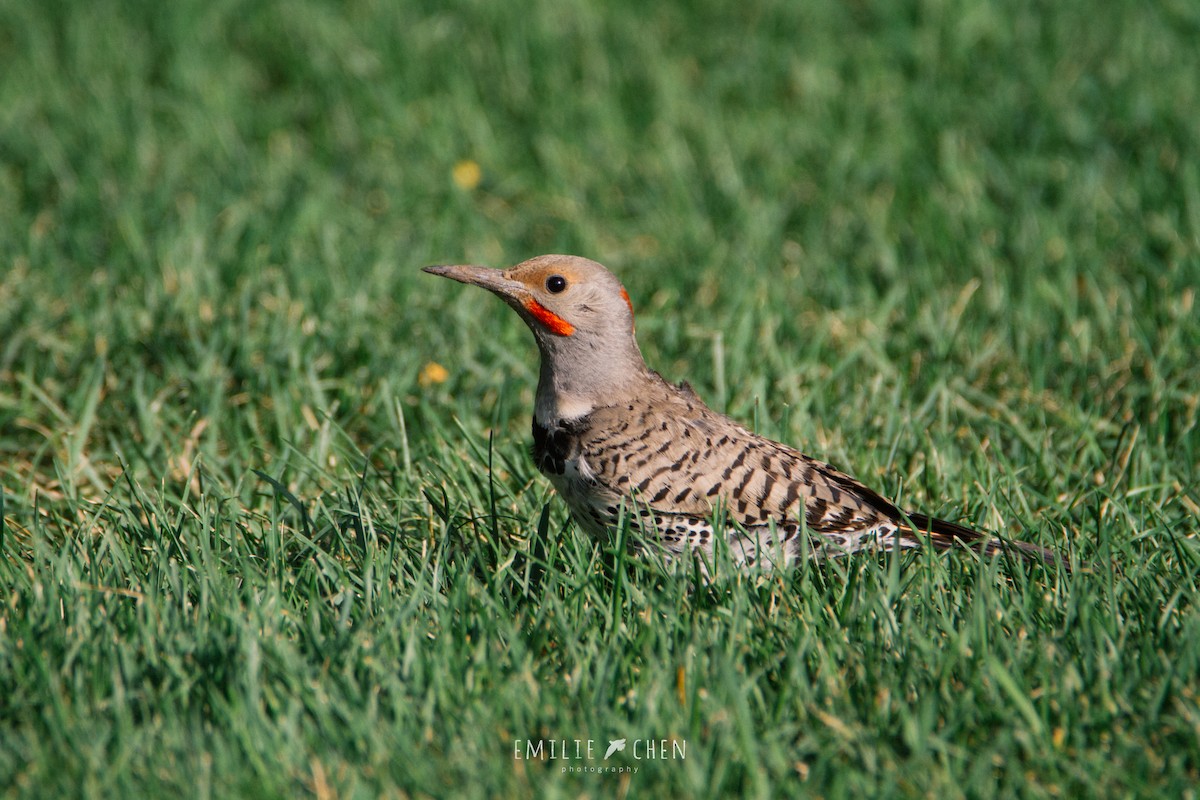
{"type": "Point", "coordinates": [581, 317]}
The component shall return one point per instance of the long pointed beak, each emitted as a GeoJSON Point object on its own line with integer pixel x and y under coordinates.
{"type": "Point", "coordinates": [491, 279]}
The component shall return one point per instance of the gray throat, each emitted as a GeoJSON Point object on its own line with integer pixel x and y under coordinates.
{"type": "Point", "coordinates": [570, 389]}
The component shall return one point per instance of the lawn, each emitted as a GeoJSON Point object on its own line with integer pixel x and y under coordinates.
{"type": "Point", "coordinates": [268, 522]}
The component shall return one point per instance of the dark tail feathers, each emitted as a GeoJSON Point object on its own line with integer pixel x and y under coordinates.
{"type": "Point", "coordinates": [946, 535]}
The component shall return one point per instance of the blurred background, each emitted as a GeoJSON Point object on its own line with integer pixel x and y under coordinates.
{"type": "Point", "coordinates": [951, 245]}
{"type": "Point", "coordinates": [212, 205]}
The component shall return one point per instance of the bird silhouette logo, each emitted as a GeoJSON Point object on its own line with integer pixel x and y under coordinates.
{"type": "Point", "coordinates": [614, 746]}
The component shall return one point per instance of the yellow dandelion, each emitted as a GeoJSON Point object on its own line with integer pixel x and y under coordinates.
{"type": "Point", "coordinates": [432, 374]}
{"type": "Point", "coordinates": [467, 174]}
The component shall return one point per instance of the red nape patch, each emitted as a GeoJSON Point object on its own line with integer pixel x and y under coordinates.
{"type": "Point", "coordinates": [553, 322]}
{"type": "Point", "coordinates": [628, 302]}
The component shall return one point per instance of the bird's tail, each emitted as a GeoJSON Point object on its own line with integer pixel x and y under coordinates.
{"type": "Point", "coordinates": [946, 535]}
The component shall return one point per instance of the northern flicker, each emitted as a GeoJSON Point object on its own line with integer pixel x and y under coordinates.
{"type": "Point", "coordinates": [614, 437]}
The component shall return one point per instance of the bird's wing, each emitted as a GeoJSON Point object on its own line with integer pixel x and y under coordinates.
{"type": "Point", "coordinates": [678, 456]}
{"type": "Point", "coordinates": [682, 463]}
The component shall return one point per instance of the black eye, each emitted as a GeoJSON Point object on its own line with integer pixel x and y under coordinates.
{"type": "Point", "coordinates": [556, 284]}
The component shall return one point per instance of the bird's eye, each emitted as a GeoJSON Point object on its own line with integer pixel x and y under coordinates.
{"type": "Point", "coordinates": [556, 284]}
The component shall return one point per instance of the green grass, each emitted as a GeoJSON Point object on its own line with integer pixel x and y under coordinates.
{"type": "Point", "coordinates": [951, 246]}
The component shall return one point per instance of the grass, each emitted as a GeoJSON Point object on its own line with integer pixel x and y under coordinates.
{"type": "Point", "coordinates": [269, 526]}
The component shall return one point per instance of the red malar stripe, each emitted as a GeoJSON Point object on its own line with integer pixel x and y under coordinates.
{"type": "Point", "coordinates": [553, 322]}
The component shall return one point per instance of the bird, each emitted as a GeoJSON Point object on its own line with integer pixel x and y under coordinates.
{"type": "Point", "coordinates": [619, 441]}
